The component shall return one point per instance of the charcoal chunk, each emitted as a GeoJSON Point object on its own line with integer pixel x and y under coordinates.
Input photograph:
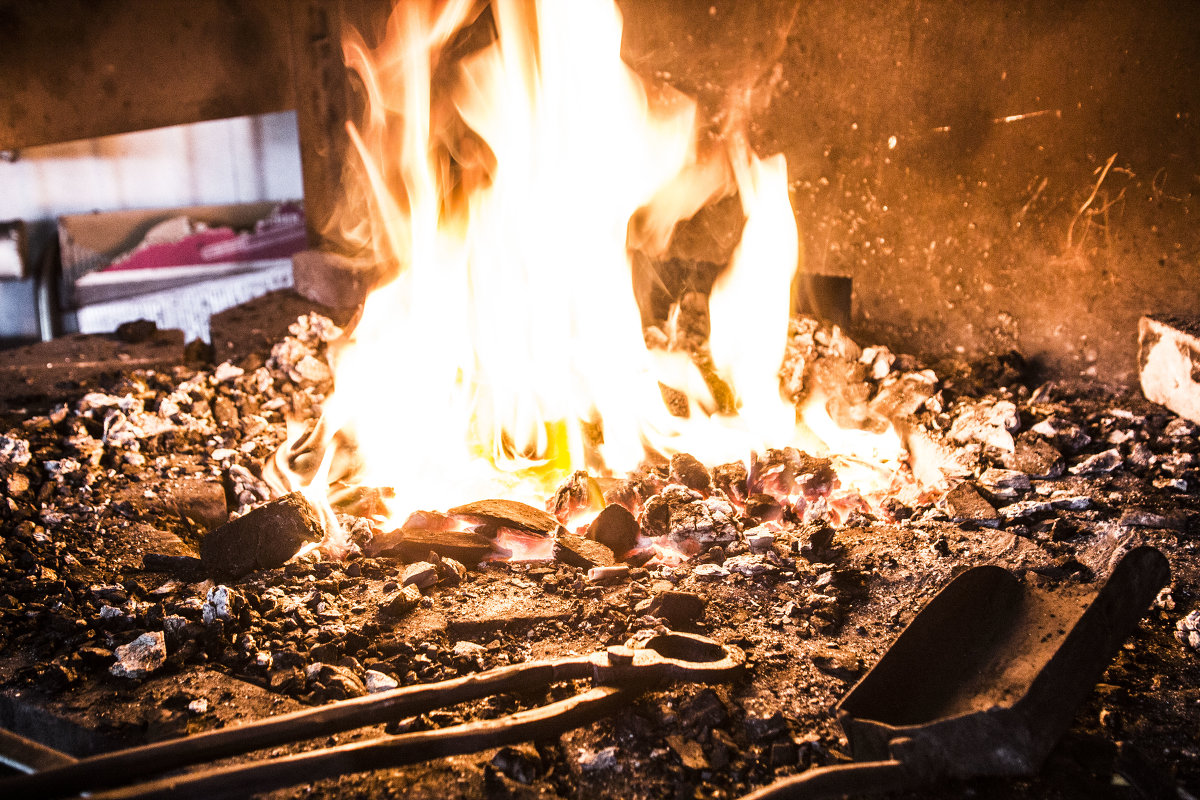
{"type": "Point", "coordinates": [1034, 456]}
{"type": "Point", "coordinates": [687, 470]}
{"type": "Point", "coordinates": [680, 609]}
{"type": "Point", "coordinates": [616, 529]}
{"type": "Point", "coordinates": [507, 514]}
{"type": "Point", "coordinates": [415, 544]}
{"type": "Point", "coordinates": [965, 504]}
{"type": "Point", "coordinates": [731, 479]}
{"type": "Point", "coordinates": [266, 537]}
{"type": "Point", "coordinates": [578, 494]}
{"type": "Point", "coordinates": [580, 552]}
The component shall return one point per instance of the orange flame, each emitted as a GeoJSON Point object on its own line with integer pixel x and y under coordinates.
{"type": "Point", "coordinates": [508, 350]}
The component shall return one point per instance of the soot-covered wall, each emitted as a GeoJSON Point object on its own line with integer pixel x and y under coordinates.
{"type": "Point", "coordinates": [993, 219]}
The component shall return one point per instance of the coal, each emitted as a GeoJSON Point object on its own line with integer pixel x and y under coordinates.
{"type": "Point", "coordinates": [687, 470]}
{"type": "Point", "coordinates": [414, 544]}
{"type": "Point", "coordinates": [1034, 456]}
{"type": "Point", "coordinates": [964, 503]}
{"type": "Point", "coordinates": [402, 602]}
{"type": "Point", "coordinates": [680, 609]}
{"type": "Point", "coordinates": [580, 552]}
{"type": "Point", "coordinates": [616, 529]}
{"type": "Point", "coordinates": [763, 507]}
{"type": "Point", "coordinates": [183, 566]}
{"type": "Point", "coordinates": [266, 537]}
{"type": "Point", "coordinates": [781, 471]}
{"type": "Point", "coordinates": [578, 494]}
{"type": "Point", "coordinates": [421, 574]}
{"type": "Point", "coordinates": [507, 514]}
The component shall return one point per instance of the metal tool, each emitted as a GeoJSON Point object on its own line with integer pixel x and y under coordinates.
{"type": "Point", "coordinates": [618, 672]}
{"type": "Point", "coordinates": [26, 756]}
{"type": "Point", "coordinates": [983, 681]}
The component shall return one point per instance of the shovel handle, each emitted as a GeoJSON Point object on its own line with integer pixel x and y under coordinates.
{"type": "Point", "coordinates": [840, 780]}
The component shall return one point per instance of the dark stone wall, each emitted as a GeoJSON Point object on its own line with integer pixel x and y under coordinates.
{"type": "Point", "coordinates": [972, 234]}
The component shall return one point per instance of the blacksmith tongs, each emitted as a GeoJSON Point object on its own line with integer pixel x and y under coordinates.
{"type": "Point", "coordinates": [619, 673]}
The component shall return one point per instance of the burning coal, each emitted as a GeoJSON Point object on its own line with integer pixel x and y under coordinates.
{"type": "Point", "coordinates": [507, 187]}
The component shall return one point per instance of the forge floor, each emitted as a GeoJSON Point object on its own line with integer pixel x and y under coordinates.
{"type": "Point", "coordinates": [811, 621]}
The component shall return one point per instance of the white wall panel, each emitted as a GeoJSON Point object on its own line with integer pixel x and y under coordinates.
{"type": "Point", "coordinates": [223, 161]}
{"type": "Point", "coordinates": [239, 160]}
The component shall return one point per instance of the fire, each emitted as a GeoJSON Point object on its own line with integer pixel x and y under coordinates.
{"type": "Point", "coordinates": [508, 350]}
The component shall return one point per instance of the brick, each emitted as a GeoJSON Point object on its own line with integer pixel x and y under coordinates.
{"type": "Point", "coordinates": [1169, 363]}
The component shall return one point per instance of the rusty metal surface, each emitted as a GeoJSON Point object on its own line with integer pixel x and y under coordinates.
{"type": "Point", "coordinates": [73, 69]}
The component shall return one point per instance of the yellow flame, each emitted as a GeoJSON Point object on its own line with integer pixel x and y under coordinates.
{"type": "Point", "coordinates": [508, 350]}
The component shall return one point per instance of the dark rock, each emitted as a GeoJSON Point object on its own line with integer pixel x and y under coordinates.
{"type": "Point", "coordinates": [338, 683]}
{"type": "Point", "coordinates": [198, 351]}
{"type": "Point", "coordinates": [402, 602]}
{"type": "Point", "coordinates": [690, 753]}
{"type": "Point", "coordinates": [521, 763]}
{"type": "Point", "coordinates": [1100, 463]}
{"type": "Point", "coordinates": [225, 412]}
{"type": "Point", "coordinates": [580, 552]}
{"type": "Point", "coordinates": [265, 538]}
{"type": "Point", "coordinates": [687, 470]}
{"type": "Point", "coordinates": [507, 514]}
{"type": "Point", "coordinates": [680, 609]}
{"type": "Point", "coordinates": [761, 729]}
{"type": "Point", "coordinates": [815, 538]}
{"type": "Point", "coordinates": [731, 479]}
{"type": "Point", "coordinates": [416, 544]}
{"type": "Point", "coordinates": [578, 494]}
{"type": "Point", "coordinates": [783, 754]}
{"type": "Point", "coordinates": [964, 503]}
{"type": "Point", "coordinates": [616, 529]}
{"type": "Point", "coordinates": [1034, 456]}
{"type": "Point", "coordinates": [763, 507]}
{"type": "Point", "coordinates": [837, 663]}
{"type": "Point", "coordinates": [704, 711]}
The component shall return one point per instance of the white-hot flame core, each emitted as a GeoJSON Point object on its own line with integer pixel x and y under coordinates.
{"type": "Point", "coordinates": [511, 334]}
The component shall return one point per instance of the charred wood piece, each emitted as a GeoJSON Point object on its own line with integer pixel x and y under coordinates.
{"type": "Point", "coordinates": [265, 538]}
{"type": "Point", "coordinates": [580, 552]}
{"type": "Point", "coordinates": [415, 544]}
{"type": "Point", "coordinates": [494, 514]}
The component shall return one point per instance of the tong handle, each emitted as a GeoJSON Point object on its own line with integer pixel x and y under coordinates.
{"type": "Point", "coordinates": [841, 780]}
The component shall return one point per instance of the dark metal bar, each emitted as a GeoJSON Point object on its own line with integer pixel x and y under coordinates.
{"type": "Point", "coordinates": [28, 756]}
{"type": "Point", "coordinates": [393, 751]}
{"type": "Point", "coordinates": [113, 769]}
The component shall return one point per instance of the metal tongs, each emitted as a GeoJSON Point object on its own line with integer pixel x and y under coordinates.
{"type": "Point", "coordinates": [619, 674]}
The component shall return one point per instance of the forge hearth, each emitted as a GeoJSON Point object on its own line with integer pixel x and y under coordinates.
{"type": "Point", "coordinates": [100, 552]}
{"type": "Point", "coordinates": [560, 424]}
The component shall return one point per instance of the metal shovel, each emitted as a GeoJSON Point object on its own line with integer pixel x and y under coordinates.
{"type": "Point", "coordinates": [983, 681]}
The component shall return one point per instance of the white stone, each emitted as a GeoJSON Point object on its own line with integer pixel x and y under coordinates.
{"type": "Point", "coordinates": [227, 372]}
{"type": "Point", "coordinates": [1169, 357]}
{"type": "Point", "coordinates": [377, 681]}
{"type": "Point", "coordinates": [140, 657]}
{"type": "Point", "coordinates": [710, 572]}
{"type": "Point", "coordinates": [217, 604]}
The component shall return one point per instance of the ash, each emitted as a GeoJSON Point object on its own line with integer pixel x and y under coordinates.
{"type": "Point", "coordinates": [113, 630]}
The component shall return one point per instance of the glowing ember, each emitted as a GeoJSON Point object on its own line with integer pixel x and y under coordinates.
{"type": "Point", "coordinates": [508, 350]}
